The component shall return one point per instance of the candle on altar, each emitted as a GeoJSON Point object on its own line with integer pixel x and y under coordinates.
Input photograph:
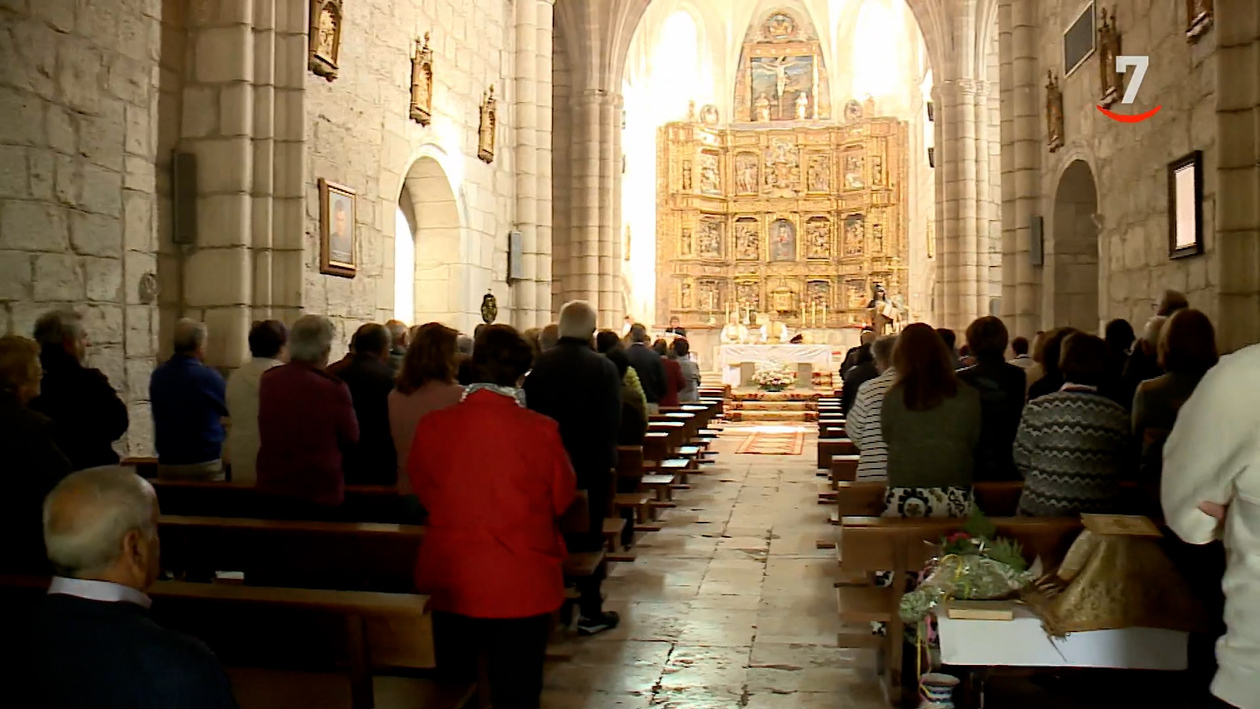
{"type": "Point", "coordinates": [824, 311]}
{"type": "Point", "coordinates": [813, 314]}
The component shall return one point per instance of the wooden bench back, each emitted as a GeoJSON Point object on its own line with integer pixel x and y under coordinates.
{"type": "Point", "coordinates": [856, 499]}
{"type": "Point", "coordinates": [200, 498]}
{"type": "Point", "coordinates": [342, 555]}
{"type": "Point", "coordinates": [869, 544]}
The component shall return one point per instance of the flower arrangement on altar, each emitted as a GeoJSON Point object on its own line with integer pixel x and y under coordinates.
{"type": "Point", "coordinates": [773, 376]}
{"type": "Point", "coordinates": [973, 564]}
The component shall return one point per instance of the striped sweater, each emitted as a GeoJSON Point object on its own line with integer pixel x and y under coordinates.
{"type": "Point", "coordinates": [1073, 450]}
{"type": "Point", "coordinates": [863, 427]}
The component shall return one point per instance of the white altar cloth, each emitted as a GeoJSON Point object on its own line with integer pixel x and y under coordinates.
{"type": "Point", "coordinates": [1023, 643]}
{"type": "Point", "coordinates": [731, 356]}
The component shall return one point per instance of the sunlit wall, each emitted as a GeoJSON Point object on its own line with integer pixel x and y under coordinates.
{"type": "Point", "coordinates": [404, 269]}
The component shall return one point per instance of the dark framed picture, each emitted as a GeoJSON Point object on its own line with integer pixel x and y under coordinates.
{"type": "Point", "coordinates": [1185, 206]}
{"type": "Point", "coordinates": [338, 244]}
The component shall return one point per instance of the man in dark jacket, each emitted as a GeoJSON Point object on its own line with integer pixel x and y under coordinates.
{"type": "Point", "coordinates": [92, 642]}
{"type": "Point", "coordinates": [580, 389]}
{"type": "Point", "coordinates": [1002, 390]}
{"type": "Point", "coordinates": [371, 461]}
{"type": "Point", "coordinates": [189, 402]}
{"type": "Point", "coordinates": [87, 413]}
{"type": "Point", "coordinates": [851, 357]}
{"type": "Point", "coordinates": [647, 364]}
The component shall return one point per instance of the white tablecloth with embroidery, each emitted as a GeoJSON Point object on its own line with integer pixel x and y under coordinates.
{"type": "Point", "coordinates": [730, 357]}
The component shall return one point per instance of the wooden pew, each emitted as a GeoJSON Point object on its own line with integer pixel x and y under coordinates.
{"type": "Point", "coordinates": [363, 503]}
{"type": "Point", "coordinates": [292, 627]}
{"type": "Point", "coordinates": [828, 447]}
{"type": "Point", "coordinates": [898, 545]}
{"type": "Point", "coordinates": [857, 499]}
{"type": "Point", "coordinates": [145, 467]}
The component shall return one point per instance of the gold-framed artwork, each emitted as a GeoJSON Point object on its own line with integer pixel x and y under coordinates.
{"type": "Point", "coordinates": [325, 37]}
{"type": "Point", "coordinates": [1185, 206]}
{"type": "Point", "coordinates": [422, 83]}
{"type": "Point", "coordinates": [338, 242]}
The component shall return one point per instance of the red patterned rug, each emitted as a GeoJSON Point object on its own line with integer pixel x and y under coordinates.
{"type": "Point", "coordinates": [772, 443]}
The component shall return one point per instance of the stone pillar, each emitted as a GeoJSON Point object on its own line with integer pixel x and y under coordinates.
{"type": "Point", "coordinates": [544, 125]}
{"type": "Point", "coordinates": [1021, 164]}
{"type": "Point", "coordinates": [1238, 174]}
{"type": "Point", "coordinates": [956, 207]}
{"type": "Point", "coordinates": [609, 195]}
{"type": "Point", "coordinates": [563, 244]}
{"type": "Point", "coordinates": [525, 296]}
{"type": "Point", "coordinates": [584, 227]}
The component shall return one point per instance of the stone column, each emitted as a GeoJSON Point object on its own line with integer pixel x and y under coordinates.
{"type": "Point", "coordinates": [525, 297]}
{"type": "Point", "coordinates": [545, 123]}
{"type": "Point", "coordinates": [959, 273]}
{"type": "Point", "coordinates": [1238, 175]}
{"type": "Point", "coordinates": [1021, 164]}
{"type": "Point", "coordinates": [609, 171]}
{"type": "Point", "coordinates": [563, 246]}
{"type": "Point", "coordinates": [584, 227]}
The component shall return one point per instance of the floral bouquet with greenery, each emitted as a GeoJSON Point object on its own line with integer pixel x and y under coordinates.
{"type": "Point", "coordinates": [973, 564]}
{"type": "Point", "coordinates": [773, 376]}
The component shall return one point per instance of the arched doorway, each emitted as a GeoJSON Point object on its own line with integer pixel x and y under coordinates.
{"type": "Point", "coordinates": [1074, 250]}
{"type": "Point", "coordinates": [431, 268]}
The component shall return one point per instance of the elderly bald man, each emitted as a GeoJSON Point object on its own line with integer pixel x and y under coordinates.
{"type": "Point", "coordinates": [189, 401]}
{"type": "Point", "coordinates": [92, 642]}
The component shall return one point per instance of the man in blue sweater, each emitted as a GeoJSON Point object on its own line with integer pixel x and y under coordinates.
{"type": "Point", "coordinates": [189, 402]}
{"type": "Point", "coordinates": [92, 643]}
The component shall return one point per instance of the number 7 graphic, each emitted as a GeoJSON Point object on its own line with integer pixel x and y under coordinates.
{"type": "Point", "coordinates": [1139, 65]}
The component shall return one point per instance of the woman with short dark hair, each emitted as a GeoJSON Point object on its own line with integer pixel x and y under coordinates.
{"type": "Point", "coordinates": [1002, 388]}
{"type": "Point", "coordinates": [1052, 378]}
{"type": "Point", "coordinates": [606, 341]}
{"type": "Point", "coordinates": [495, 478]}
{"type": "Point", "coordinates": [931, 424]}
{"type": "Point", "coordinates": [1186, 351]}
{"type": "Point", "coordinates": [1073, 444]}
{"type": "Point", "coordinates": [680, 352]}
{"type": "Point", "coordinates": [426, 383]}
{"type": "Point", "coordinates": [268, 348]}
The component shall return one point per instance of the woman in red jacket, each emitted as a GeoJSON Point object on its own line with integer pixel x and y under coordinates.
{"type": "Point", "coordinates": [674, 380]}
{"type": "Point", "coordinates": [495, 479]}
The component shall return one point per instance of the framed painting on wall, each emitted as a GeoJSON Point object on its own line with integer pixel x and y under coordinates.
{"type": "Point", "coordinates": [1185, 206]}
{"type": "Point", "coordinates": [337, 241]}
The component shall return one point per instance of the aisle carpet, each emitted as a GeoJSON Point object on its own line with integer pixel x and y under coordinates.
{"type": "Point", "coordinates": [773, 440]}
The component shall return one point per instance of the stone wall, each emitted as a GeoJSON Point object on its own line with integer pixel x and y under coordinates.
{"type": "Point", "coordinates": [78, 96]}
{"type": "Point", "coordinates": [359, 135]}
{"type": "Point", "coordinates": [1129, 161]}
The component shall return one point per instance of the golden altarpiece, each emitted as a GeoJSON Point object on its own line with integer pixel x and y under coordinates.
{"type": "Point", "coordinates": [785, 210]}
{"type": "Point", "coordinates": [802, 221]}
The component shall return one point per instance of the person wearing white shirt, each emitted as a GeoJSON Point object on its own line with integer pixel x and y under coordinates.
{"type": "Point", "coordinates": [268, 344]}
{"type": "Point", "coordinates": [1210, 490]}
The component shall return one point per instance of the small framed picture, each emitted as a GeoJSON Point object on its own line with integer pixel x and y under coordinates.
{"type": "Point", "coordinates": [1185, 206]}
{"type": "Point", "coordinates": [337, 241]}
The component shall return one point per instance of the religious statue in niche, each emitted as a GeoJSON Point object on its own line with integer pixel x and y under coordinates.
{"type": "Point", "coordinates": [710, 296]}
{"type": "Point", "coordinates": [684, 295]}
{"type": "Point", "coordinates": [325, 38]}
{"type": "Point", "coordinates": [747, 240]}
{"type": "Point", "coordinates": [931, 239]}
{"type": "Point", "coordinates": [818, 236]}
{"type": "Point", "coordinates": [686, 176]}
{"type": "Point", "coordinates": [1198, 18]}
{"type": "Point", "coordinates": [485, 131]}
{"type": "Point", "coordinates": [710, 238]}
{"type": "Point", "coordinates": [783, 166]}
{"type": "Point", "coordinates": [422, 83]}
{"type": "Point", "coordinates": [802, 106]}
{"type": "Point", "coordinates": [818, 176]}
{"type": "Point", "coordinates": [877, 238]}
{"type": "Point", "coordinates": [748, 295]}
{"type": "Point", "coordinates": [877, 170]}
{"type": "Point", "coordinates": [855, 294]}
{"type": "Point", "coordinates": [879, 310]}
{"type": "Point", "coordinates": [782, 241]}
{"type": "Point", "coordinates": [709, 115]}
{"type": "Point", "coordinates": [489, 308]}
{"type": "Point", "coordinates": [818, 294]}
{"type": "Point", "coordinates": [746, 173]}
{"type": "Point", "coordinates": [710, 178]}
{"type": "Point", "coordinates": [781, 84]}
{"type": "Point", "coordinates": [853, 164]}
{"type": "Point", "coordinates": [685, 247]}
{"type": "Point", "coordinates": [762, 109]}
{"type": "Point", "coordinates": [1054, 112]}
{"type": "Point", "coordinates": [852, 111]}
{"type": "Point", "coordinates": [854, 234]}
{"type": "Point", "coordinates": [1111, 84]}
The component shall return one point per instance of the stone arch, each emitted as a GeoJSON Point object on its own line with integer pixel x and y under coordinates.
{"type": "Point", "coordinates": [1072, 256]}
{"type": "Point", "coordinates": [441, 273]}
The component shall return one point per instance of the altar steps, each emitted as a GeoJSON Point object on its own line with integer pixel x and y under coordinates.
{"type": "Point", "coordinates": [762, 405]}
{"type": "Point", "coordinates": [771, 416]}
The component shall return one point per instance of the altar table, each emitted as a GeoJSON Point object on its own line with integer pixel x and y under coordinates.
{"type": "Point", "coordinates": [730, 357]}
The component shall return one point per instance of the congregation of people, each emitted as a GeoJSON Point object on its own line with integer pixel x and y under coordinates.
{"type": "Point", "coordinates": [502, 444]}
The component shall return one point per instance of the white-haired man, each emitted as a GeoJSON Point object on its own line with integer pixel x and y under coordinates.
{"type": "Point", "coordinates": [92, 642]}
{"type": "Point", "coordinates": [581, 390]}
{"type": "Point", "coordinates": [86, 411]}
{"type": "Point", "coordinates": [305, 419]}
{"type": "Point", "coordinates": [189, 401]}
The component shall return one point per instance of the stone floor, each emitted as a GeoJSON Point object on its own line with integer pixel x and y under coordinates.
{"type": "Point", "coordinates": [730, 605]}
